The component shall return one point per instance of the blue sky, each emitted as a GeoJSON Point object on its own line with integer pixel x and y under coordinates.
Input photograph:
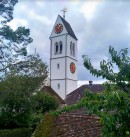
{"type": "Point", "coordinates": [96, 23]}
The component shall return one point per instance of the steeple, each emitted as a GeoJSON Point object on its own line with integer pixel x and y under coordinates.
{"type": "Point", "coordinates": [63, 58]}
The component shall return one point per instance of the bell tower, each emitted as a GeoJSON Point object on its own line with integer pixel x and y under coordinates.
{"type": "Point", "coordinates": [63, 58]}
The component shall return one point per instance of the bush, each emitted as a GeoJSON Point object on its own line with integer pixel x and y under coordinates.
{"type": "Point", "coordinates": [21, 132]}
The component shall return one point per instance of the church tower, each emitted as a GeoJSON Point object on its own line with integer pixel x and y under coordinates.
{"type": "Point", "coordinates": [63, 58]}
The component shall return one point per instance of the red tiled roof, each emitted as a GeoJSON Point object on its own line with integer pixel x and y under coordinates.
{"type": "Point", "coordinates": [77, 94]}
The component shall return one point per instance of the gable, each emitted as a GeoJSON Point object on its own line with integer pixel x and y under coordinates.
{"type": "Point", "coordinates": [66, 28]}
{"type": "Point", "coordinates": [64, 31]}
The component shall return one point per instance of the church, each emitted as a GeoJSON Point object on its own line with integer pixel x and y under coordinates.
{"type": "Point", "coordinates": [63, 63]}
{"type": "Point", "coordinates": [63, 86]}
{"type": "Point", "coordinates": [63, 58]}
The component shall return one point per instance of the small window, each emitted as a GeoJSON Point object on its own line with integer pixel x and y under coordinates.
{"type": "Point", "coordinates": [61, 47]}
{"type": "Point", "coordinates": [56, 48]}
{"type": "Point", "coordinates": [73, 50]}
{"type": "Point", "coordinates": [70, 48]}
{"type": "Point", "coordinates": [58, 66]}
{"type": "Point", "coordinates": [58, 86]}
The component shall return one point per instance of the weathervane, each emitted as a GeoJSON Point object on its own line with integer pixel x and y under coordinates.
{"type": "Point", "coordinates": [64, 11]}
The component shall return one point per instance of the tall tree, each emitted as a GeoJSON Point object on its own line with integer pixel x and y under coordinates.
{"type": "Point", "coordinates": [17, 92]}
{"type": "Point", "coordinates": [112, 105]}
{"type": "Point", "coordinates": [120, 60]}
{"type": "Point", "coordinates": [6, 10]}
{"type": "Point", "coordinates": [13, 43]}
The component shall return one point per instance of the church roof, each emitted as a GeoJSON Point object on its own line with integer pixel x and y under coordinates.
{"type": "Point", "coordinates": [49, 90]}
{"type": "Point", "coordinates": [68, 28]}
{"type": "Point", "coordinates": [77, 94]}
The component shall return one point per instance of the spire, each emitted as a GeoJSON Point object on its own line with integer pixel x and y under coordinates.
{"type": "Point", "coordinates": [64, 11]}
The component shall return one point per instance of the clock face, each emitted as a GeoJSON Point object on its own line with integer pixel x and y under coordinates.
{"type": "Point", "coordinates": [58, 28]}
{"type": "Point", "coordinates": [72, 67]}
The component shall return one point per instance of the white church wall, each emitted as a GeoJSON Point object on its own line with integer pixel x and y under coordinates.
{"type": "Point", "coordinates": [60, 91]}
{"type": "Point", "coordinates": [58, 39]}
{"type": "Point", "coordinates": [71, 86]}
{"type": "Point", "coordinates": [55, 72]}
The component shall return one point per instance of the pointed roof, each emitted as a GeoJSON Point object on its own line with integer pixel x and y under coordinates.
{"type": "Point", "coordinates": [68, 28]}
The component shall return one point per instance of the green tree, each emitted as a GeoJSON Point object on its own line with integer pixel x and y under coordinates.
{"type": "Point", "coordinates": [119, 60]}
{"type": "Point", "coordinates": [112, 105]}
{"type": "Point", "coordinates": [16, 92]}
{"type": "Point", "coordinates": [42, 103]}
{"type": "Point", "coordinates": [13, 43]}
{"type": "Point", "coordinates": [6, 10]}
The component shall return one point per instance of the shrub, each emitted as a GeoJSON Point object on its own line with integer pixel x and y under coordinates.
{"type": "Point", "coordinates": [21, 132]}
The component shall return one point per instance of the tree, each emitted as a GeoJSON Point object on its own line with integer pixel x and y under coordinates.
{"type": "Point", "coordinates": [13, 46]}
{"type": "Point", "coordinates": [121, 61]}
{"type": "Point", "coordinates": [16, 92]}
{"type": "Point", "coordinates": [42, 103]}
{"type": "Point", "coordinates": [6, 10]}
{"type": "Point", "coordinates": [13, 43]}
{"type": "Point", "coordinates": [112, 105]}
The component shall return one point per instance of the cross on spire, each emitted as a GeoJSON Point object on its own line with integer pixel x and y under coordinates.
{"type": "Point", "coordinates": [64, 11]}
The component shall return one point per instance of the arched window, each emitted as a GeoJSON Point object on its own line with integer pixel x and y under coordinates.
{"type": "Point", "coordinates": [56, 48]}
{"type": "Point", "coordinates": [70, 48]}
{"type": "Point", "coordinates": [73, 49]}
{"type": "Point", "coordinates": [61, 47]}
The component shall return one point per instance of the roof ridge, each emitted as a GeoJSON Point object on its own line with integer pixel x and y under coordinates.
{"type": "Point", "coordinates": [68, 28]}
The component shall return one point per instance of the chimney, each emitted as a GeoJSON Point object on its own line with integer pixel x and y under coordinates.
{"type": "Point", "coordinates": [90, 83]}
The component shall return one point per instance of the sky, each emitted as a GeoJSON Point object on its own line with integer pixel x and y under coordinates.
{"type": "Point", "coordinates": [97, 24]}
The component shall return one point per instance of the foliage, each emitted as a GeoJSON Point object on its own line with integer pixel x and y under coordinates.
{"type": "Point", "coordinates": [120, 60]}
{"type": "Point", "coordinates": [21, 132]}
{"type": "Point", "coordinates": [48, 127]}
{"type": "Point", "coordinates": [44, 102]}
{"type": "Point", "coordinates": [22, 105]}
{"type": "Point", "coordinates": [113, 105]}
{"type": "Point", "coordinates": [45, 127]}
{"type": "Point", "coordinates": [16, 92]}
{"type": "Point", "coordinates": [33, 66]}
{"type": "Point", "coordinates": [13, 46]}
{"type": "Point", "coordinates": [6, 10]}
{"type": "Point", "coordinates": [13, 43]}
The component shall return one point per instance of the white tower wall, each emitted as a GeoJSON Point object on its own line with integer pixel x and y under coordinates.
{"type": "Point", "coordinates": [62, 80]}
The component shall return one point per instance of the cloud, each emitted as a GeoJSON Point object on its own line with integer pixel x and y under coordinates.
{"type": "Point", "coordinates": [97, 25]}
{"type": "Point", "coordinates": [89, 8]}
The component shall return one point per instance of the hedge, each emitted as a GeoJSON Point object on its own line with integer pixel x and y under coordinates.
{"type": "Point", "coordinates": [21, 132]}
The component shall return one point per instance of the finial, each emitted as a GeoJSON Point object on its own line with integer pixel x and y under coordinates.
{"type": "Point", "coordinates": [64, 11]}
